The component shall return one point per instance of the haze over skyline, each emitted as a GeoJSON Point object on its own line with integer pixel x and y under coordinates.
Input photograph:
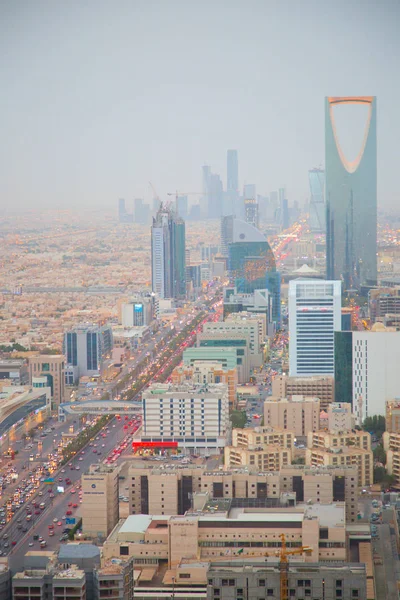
{"type": "Point", "coordinates": [99, 99]}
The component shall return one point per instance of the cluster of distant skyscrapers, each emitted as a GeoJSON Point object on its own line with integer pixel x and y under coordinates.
{"type": "Point", "coordinates": [343, 204]}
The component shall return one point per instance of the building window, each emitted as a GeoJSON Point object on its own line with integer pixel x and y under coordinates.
{"type": "Point", "coordinates": [124, 550]}
{"type": "Point", "coordinates": [261, 583]}
{"type": "Point", "coordinates": [184, 575]}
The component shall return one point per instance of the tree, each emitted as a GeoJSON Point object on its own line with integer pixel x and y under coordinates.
{"type": "Point", "coordinates": [380, 454]}
{"type": "Point", "coordinates": [300, 460]}
{"type": "Point", "coordinates": [238, 419]}
{"type": "Point", "coordinates": [379, 474]}
{"type": "Point", "coordinates": [375, 425]}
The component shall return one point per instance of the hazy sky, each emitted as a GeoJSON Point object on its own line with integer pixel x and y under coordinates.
{"type": "Point", "coordinates": [99, 97]}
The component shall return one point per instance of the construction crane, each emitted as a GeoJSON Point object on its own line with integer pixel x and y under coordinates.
{"type": "Point", "coordinates": [284, 564]}
{"type": "Point", "coordinates": [156, 196]}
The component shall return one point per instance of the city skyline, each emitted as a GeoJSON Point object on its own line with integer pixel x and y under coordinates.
{"type": "Point", "coordinates": [85, 127]}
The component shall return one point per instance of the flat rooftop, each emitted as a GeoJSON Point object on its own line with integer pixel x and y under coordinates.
{"type": "Point", "coordinates": [329, 515]}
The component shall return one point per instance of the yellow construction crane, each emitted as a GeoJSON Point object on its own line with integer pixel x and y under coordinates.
{"type": "Point", "coordinates": [284, 564]}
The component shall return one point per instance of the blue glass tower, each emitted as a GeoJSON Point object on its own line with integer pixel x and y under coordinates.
{"type": "Point", "coordinates": [251, 264]}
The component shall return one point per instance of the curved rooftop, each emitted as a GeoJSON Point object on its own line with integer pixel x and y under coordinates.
{"type": "Point", "coordinates": [244, 232]}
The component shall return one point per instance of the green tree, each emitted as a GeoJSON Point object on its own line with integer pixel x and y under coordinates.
{"type": "Point", "coordinates": [238, 419]}
{"type": "Point", "coordinates": [375, 425]}
{"type": "Point", "coordinates": [379, 474]}
{"type": "Point", "coordinates": [300, 460]}
{"type": "Point", "coordinates": [380, 454]}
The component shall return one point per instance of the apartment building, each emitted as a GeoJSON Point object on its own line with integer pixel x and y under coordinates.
{"type": "Point", "coordinates": [220, 529]}
{"type": "Point", "coordinates": [229, 358]}
{"type": "Point", "coordinates": [170, 491]}
{"type": "Point", "coordinates": [392, 415]}
{"type": "Point", "coordinates": [262, 448]}
{"type": "Point", "coordinates": [100, 507]}
{"type": "Point", "coordinates": [207, 372]}
{"type": "Point", "coordinates": [344, 457]}
{"type": "Point", "coordinates": [299, 414]}
{"type": "Point", "coordinates": [50, 366]}
{"type": "Point", "coordinates": [55, 583]}
{"type": "Point", "coordinates": [114, 580]}
{"type": "Point", "coordinates": [339, 439]}
{"type": "Point", "coordinates": [322, 387]}
{"type": "Point", "coordinates": [391, 444]}
{"type": "Point", "coordinates": [340, 417]}
{"type": "Point", "coordinates": [230, 581]}
{"type": "Point", "coordinates": [196, 416]}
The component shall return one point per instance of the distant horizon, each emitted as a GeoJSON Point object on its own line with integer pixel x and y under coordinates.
{"type": "Point", "coordinates": [100, 99]}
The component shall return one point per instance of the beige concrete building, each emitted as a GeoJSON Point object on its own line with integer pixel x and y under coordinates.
{"type": "Point", "coordinates": [171, 491]}
{"type": "Point", "coordinates": [207, 372]}
{"type": "Point", "coordinates": [344, 457]}
{"type": "Point", "coordinates": [114, 580]}
{"type": "Point", "coordinates": [392, 415]}
{"type": "Point", "coordinates": [298, 414]}
{"type": "Point", "coordinates": [265, 458]}
{"type": "Point", "coordinates": [252, 327]}
{"type": "Point", "coordinates": [262, 448]}
{"type": "Point", "coordinates": [100, 507]}
{"type": "Point", "coordinates": [219, 529]}
{"type": "Point", "coordinates": [322, 387]}
{"type": "Point", "coordinates": [57, 583]}
{"type": "Point", "coordinates": [340, 416]}
{"type": "Point", "coordinates": [339, 439]}
{"type": "Point", "coordinates": [391, 444]}
{"type": "Point", "coordinates": [50, 366]}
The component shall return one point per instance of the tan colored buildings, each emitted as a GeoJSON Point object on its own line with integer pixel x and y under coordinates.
{"type": "Point", "coordinates": [322, 387]}
{"type": "Point", "coordinates": [100, 508]}
{"type": "Point", "coordinates": [171, 491]}
{"type": "Point", "coordinates": [298, 414]}
{"type": "Point", "coordinates": [340, 416]}
{"type": "Point", "coordinates": [56, 583]}
{"type": "Point", "coordinates": [265, 458]}
{"type": "Point", "coordinates": [359, 458]}
{"type": "Point", "coordinates": [392, 415]}
{"type": "Point", "coordinates": [391, 444]}
{"type": "Point", "coordinates": [219, 529]}
{"type": "Point", "coordinates": [262, 448]}
{"type": "Point", "coordinates": [114, 580]}
{"type": "Point", "coordinates": [339, 439]}
{"type": "Point", "coordinates": [342, 448]}
{"type": "Point", "coordinates": [50, 366]}
{"type": "Point", "coordinates": [207, 372]}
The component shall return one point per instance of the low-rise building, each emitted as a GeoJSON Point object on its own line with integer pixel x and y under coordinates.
{"type": "Point", "coordinates": [319, 386]}
{"type": "Point", "coordinates": [196, 416]}
{"type": "Point", "coordinates": [100, 508]}
{"type": "Point", "coordinates": [14, 369]}
{"type": "Point", "coordinates": [391, 444]}
{"type": "Point", "coordinates": [226, 580]}
{"type": "Point", "coordinates": [171, 490]}
{"type": "Point", "coordinates": [207, 372]}
{"type": "Point", "coordinates": [53, 582]}
{"type": "Point", "coordinates": [392, 415]}
{"type": "Point", "coordinates": [343, 456]}
{"type": "Point", "coordinates": [262, 448]}
{"type": "Point", "coordinates": [339, 439]}
{"type": "Point", "coordinates": [114, 580]}
{"type": "Point", "coordinates": [220, 529]}
{"type": "Point", "coordinates": [52, 367]}
{"type": "Point", "coordinates": [298, 413]}
{"type": "Point", "coordinates": [230, 358]}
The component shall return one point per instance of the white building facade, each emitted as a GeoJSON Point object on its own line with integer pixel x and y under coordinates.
{"type": "Point", "coordinates": [194, 416]}
{"type": "Point", "coordinates": [314, 316]}
{"type": "Point", "coordinates": [375, 371]}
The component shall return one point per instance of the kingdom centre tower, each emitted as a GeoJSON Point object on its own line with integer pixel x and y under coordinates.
{"type": "Point", "coordinates": [351, 200]}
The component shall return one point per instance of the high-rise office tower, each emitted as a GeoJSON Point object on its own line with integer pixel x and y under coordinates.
{"type": "Point", "coordinates": [226, 233]}
{"type": "Point", "coordinates": [156, 204]}
{"type": "Point", "coordinates": [204, 202]}
{"type": "Point", "coordinates": [251, 212]}
{"type": "Point", "coordinates": [182, 207]}
{"type": "Point", "coordinates": [351, 200]}
{"type": "Point", "coordinates": [142, 212]}
{"type": "Point", "coordinates": [121, 210]}
{"type": "Point", "coordinates": [314, 316]}
{"type": "Point", "coordinates": [232, 183]}
{"type": "Point", "coordinates": [168, 254]}
{"type": "Point", "coordinates": [251, 262]}
{"type": "Point", "coordinates": [215, 196]}
{"type": "Point", "coordinates": [316, 178]}
{"type": "Point", "coordinates": [86, 346]}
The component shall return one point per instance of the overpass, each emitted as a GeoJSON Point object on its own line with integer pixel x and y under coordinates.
{"type": "Point", "coordinates": [99, 407]}
{"type": "Point", "coordinates": [16, 405]}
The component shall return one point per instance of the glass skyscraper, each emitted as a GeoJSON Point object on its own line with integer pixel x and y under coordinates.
{"type": "Point", "coordinates": [316, 178]}
{"type": "Point", "coordinates": [168, 254]}
{"type": "Point", "coordinates": [251, 263]}
{"type": "Point", "coordinates": [351, 201]}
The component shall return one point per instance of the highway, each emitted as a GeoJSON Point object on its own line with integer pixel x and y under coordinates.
{"type": "Point", "coordinates": [56, 508]}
